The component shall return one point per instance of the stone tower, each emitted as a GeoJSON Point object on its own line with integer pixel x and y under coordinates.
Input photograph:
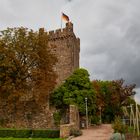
{"type": "Point", "coordinates": [66, 46]}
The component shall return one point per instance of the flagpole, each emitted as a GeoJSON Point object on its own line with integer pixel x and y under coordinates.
{"type": "Point", "coordinates": [61, 21]}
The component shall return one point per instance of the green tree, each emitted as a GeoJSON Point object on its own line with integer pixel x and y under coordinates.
{"type": "Point", "coordinates": [73, 91]}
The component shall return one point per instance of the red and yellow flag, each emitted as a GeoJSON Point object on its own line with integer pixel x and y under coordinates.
{"type": "Point", "coordinates": [65, 17]}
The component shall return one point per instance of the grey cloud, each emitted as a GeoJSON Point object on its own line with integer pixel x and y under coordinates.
{"type": "Point", "coordinates": [109, 31]}
{"type": "Point", "coordinates": [110, 39]}
{"type": "Point", "coordinates": [137, 96]}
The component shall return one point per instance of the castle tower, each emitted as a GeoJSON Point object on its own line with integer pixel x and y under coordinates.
{"type": "Point", "coordinates": [66, 47]}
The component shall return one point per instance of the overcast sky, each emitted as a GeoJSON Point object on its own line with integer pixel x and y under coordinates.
{"type": "Point", "coordinates": [109, 31]}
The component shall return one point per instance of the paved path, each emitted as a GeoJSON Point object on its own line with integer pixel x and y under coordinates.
{"type": "Point", "coordinates": [102, 132]}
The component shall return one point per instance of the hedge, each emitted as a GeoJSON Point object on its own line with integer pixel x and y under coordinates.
{"type": "Point", "coordinates": [26, 133]}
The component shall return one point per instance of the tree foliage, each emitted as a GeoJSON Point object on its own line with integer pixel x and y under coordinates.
{"type": "Point", "coordinates": [26, 66]}
{"type": "Point", "coordinates": [111, 96]}
{"type": "Point", "coordinates": [73, 91]}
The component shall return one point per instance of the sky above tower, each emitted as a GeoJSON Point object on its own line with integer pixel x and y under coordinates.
{"type": "Point", "coordinates": [109, 31]}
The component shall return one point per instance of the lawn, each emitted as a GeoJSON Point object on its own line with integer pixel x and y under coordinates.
{"type": "Point", "coordinates": [31, 139]}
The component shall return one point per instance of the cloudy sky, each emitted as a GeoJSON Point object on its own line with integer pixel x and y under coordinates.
{"type": "Point", "coordinates": [109, 31]}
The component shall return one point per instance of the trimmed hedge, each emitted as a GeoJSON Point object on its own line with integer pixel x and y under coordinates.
{"type": "Point", "coordinates": [45, 133]}
{"type": "Point", "coordinates": [26, 133]}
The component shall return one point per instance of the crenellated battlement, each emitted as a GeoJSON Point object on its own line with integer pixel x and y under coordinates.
{"type": "Point", "coordinates": [61, 33]}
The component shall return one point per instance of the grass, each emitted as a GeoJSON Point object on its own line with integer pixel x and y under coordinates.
{"type": "Point", "coordinates": [31, 139]}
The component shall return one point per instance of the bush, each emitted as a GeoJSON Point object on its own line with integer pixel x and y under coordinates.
{"type": "Point", "coordinates": [22, 133]}
{"type": "Point", "coordinates": [95, 120]}
{"type": "Point", "coordinates": [45, 133]}
{"type": "Point", "coordinates": [15, 133]}
{"type": "Point", "coordinates": [6, 133]}
{"type": "Point", "coordinates": [118, 126]}
{"type": "Point", "coordinates": [57, 118]}
{"type": "Point", "coordinates": [26, 133]}
{"type": "Point", "coordinates": [130, 129]}
{"type": "Point", "coordinates": [75, 132]}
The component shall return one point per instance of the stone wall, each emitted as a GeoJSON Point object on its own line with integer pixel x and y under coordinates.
{"type": "Point", "coordinates": [65, 130]}
{"type": "Point", "coordinates": [74, 116]}
{"type": "Point", "coordinates": [64, 44]}
{"type": "Point", "coordinates": [27, 114]}
{"type": "Point", "coordinates": [74, 122]}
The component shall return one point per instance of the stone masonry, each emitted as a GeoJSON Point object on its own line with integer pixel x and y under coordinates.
{"type": "Point", "coordinates": [73, 123]}
{"type": "Point", "coordinates": [64, 44]}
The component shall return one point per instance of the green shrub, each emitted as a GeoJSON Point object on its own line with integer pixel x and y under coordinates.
{"type": "Point", "coordinates": [57, 118]}
{"type": "Point", "coordinates": [21, 133]}
{"type": "Point", "coordinates": [26, 133]}
{"type": "Point", "coordinates": [118, 126]}
{"type": "Point", "coordinates": [75, 132]}
{"type": "Point", "coordinates": [130, 129]}
{"type": "Point", "coordinates": [6, 133]}
{"type": "Point", "coordinates": [45, 133]}
{"type": "Point", "coordinates": [95, 120]}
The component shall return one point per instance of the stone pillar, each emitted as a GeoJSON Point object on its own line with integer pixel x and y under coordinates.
{"type": "Point", "coordinates": [74, 122]}
{"type": "Point", "coordinates": [74, 116]}
{"type": "Point", "coordinates": [65, 130]}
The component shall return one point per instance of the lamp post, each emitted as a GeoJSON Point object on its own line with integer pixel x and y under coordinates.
{"type": "Point", "coordinates": [131, 114]}
{"type": "Point", "coordinates": [100, 114]}
{"type": "Point", "coordinates": [137, 120]}
{"type": "Point", "coordinates": [131, 110]}
{"type": "Point", "coordinates": [86, 113]}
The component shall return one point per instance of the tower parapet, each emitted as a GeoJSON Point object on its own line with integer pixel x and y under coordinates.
{"type": "Point", "coordinates": [67, 48]}
{"type": "Point", "coordinates": [62, 33]}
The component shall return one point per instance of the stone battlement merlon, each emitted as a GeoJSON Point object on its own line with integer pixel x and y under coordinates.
{"type": "Point", "coordinates": [62, 33]}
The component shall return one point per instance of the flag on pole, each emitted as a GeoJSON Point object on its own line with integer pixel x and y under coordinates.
{"type": "Point", "coordinates": [65, 17]}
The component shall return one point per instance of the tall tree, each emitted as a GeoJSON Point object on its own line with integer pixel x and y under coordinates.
{"type": "Point", "coordinates": [26, 66]}
{"type": "Point", "coordinates": [73, 91]}
{"type": "Point", "coordinates": [111, 96]}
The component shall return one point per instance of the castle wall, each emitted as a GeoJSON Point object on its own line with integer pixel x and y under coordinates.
{"type": "Point", "coordinates": [64, 44]}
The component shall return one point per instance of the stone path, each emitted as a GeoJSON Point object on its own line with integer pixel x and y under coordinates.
{"type": "Point", "coordinates": [102, 132]}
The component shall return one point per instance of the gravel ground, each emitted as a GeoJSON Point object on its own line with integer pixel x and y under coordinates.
{"type": "Point", "coordinates": [102, 132]}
